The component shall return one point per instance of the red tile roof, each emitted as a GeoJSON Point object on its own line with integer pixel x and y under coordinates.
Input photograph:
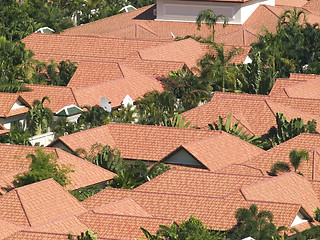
{"type": "Point", "coordinates": [133, 84]}
{"type": "Point", "coordinates": [38, 203]}
{"type": "Point", "coordinates": [38, 236]}
{"type": "Point", "coordinates": [15, 162]}
{"type": "Point", "coordinates": [7, 100]}
{"type": "Point", "coordinates": [66, 225]}
{"type": "Point", "coordinates": [217, 213]}
{"type": "Point", "coordinates": [8, 228]}
{"type": "Point", "coordinates": [126, 207]}
{"type": "Point", "coordinates": [152, 143]}
{"type": "Point", "coordinates": [122, 227]}
{"type": "Point", "coordinates": [255, 112]}
{"type": "Point", "coordinates": [140, 24]}
{"type": "Point", "coordinates": [308, 142]}
{"type": "Point", "coordinates": [297, 189]}
{"type": "Point", "coordinates": [90, 46]}
{"type": "Point", "coordinates": [59, 96]}
{"type": "Point", "coordinates": [219, 151]}
{"type": "Point", "coordinates": [199, 183]}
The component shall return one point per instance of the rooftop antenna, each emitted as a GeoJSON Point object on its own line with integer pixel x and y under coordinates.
{"type": "Point", "coordinates": [105, 103]}
{"type": "Point", "coordinates": [172, 35]}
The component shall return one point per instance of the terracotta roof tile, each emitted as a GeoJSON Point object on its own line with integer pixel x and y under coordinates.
{"type": "Point", "coordinates": [7, 100]}
{"type": "Point", "coordinates": [66, 225]}
{"type": "Point", "coordinates": [85, 173]}
{"type": "Point", "coordinates": [179, 207]}
{"type": "Point", "coordinates": [122, 227]}
{"type": "Point", "coordinates": [8, 228]}
{"type": "Point", "coordinates": [308, 142]}
{"type": "Point", "coordinates": [198, 183]}
{"type": "Point", "coordinates": [59, 96]}
{"type": "Point", "coordinates": [37, 236]}
{"type": "Point", "coordinates": [15, 162]}
{"type": "Point", "coordinates": [282, 83]}
{"type": "Point", "coordinates": [293, 3]}
{"type": "Point", "coordinates": [149, 143]}
{"type": "Point", "coordinates": [257, 111]}
{"type": "Point", "coordinates": [221, 150]}
{"type": "Point", "coordinates": [90, 73]}
{"type": "Point", "coordinates": [134, 84]}
{"type": "Point", "coordinates": [89, 46]}
{"type": "Point", "coordinates": [288, 188]}
{"type": "Point", "coordinates": [126, 207]}
{"type": "Point", "coordinates": [38, 203]}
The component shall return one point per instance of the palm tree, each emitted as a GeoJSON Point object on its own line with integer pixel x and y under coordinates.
{"type": "Point", "coordinates": [216, 68]}
{"type": "Point", "coordinates": [292, 17]}
{"type": "Point", "coordinates": [257, 225]}
{"type": "Point", "coordinates": [210, 19]}
{"type": "Point", "coordinates": [93, 117]}
{"type": "Point", "coordinates": [39, 118]}
{"type": "Point", "coordinates": [296, 158]}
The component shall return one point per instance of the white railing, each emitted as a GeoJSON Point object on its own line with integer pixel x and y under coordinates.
{"type": "Point", "coordinates": [42, 140]}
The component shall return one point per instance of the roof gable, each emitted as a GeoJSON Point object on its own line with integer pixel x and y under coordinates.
{"type": "Point", "coordinates": [40, 202]}
{"type": "Point", "coordinates": [297, 189]}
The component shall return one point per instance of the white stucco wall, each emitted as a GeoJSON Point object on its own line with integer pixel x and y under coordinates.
{"type": "Point", "coordinates": [187, 11]}
{"type": "Point", "coordinates": [249, 7]}
{"type": "Point", "coordinates": [6, 122]}
{"type": "Point", "coordinates": [299, 219]}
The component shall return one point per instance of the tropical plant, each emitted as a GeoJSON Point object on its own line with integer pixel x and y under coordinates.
{"type": "Point", "coordinates": [191, 229]}
{"type": "Point", "coordinates": [234, 129]}
{"type": "Point", "coordinates": [85, 192]}
{"type": "Point", "coordinates": [155, 106]}
{"type": "Point", "coordinates": [296, 158]}
{"type": "Point", "coordinates": [124, 114]}
{"type": "Point", "coordinates": [177, 121]}
{"type": "Point", "coordinates": [286, 130]}
{"type": "Point", "coordinates": [255, 224]}
{"type": "Point", "coordinates": [210, 19]}
{"type": "Point", "coordinates": [188, 89]}
{"type": "Point", "coordinates": [133, 175]}
{"type": "Point", "coordinates": [15, 66]}
{"type": "Point", "coordinates": [93, 117]}
{"type": "Point", "coordinates": [88, 235]}
{"type": "Point", "coordinates": [91, 153]}
{"type": "Point", "coordinates": [15, 23]}
{"type": "Point", "coordinates": [16, 136]}
{"type": "Point", "coordinates": [62, 127]}
{"type": "Point", "coordinates": [109, 159]}
{"type": "Point", "coordinates": [39, 118]}
{"type": "Point", "coordinates": [43, 166]}
{"type": "Point", "coordinates": [216, 68]}
{"type": "Point", "coordinates": [48, 14]}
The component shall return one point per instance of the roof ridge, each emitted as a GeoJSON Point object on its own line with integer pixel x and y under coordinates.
{"type": "Point", "coordinates": [129, 216]}
{"type": "Point", "coordinates": [103, 19]}
{"type": "Point", "coordinates": [23, 209]}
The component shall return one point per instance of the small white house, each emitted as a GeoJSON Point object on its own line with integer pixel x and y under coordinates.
{"type": "Point", "coordinates": [237, 11]}
{"type": "Point", "coordinates": [13, 109]}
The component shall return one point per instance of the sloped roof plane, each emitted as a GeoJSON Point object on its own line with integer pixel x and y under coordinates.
{"type": "Point", "coordinates": [38, 203]}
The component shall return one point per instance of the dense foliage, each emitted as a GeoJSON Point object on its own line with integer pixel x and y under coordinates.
{"type": "Point", "coordinates": [296, 158]}
{"type": "Point", "coordinates": [191, 229]}
{"type": "Point", "coordinates": [43, 166]}
{"type": "Point", "coordinates": [129, 175]}
{"type": "Point", "coordinates": [255, 224]}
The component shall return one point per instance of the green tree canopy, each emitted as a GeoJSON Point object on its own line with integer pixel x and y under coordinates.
{"type": "Point", "coordinates": [43, 166]}
{"type": "Point", "coordinates": [255, 224]}
{"type": "Point", "coordinates": [192, 229]}
{"type": "Point", "coordinates": [39, 118]}
{"type": "Point", "coordinates": [15, 66]}
{"type": "Point", "coordinates": [296, 158]}
{"type": "Point", "coordinates": [210, 19]}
